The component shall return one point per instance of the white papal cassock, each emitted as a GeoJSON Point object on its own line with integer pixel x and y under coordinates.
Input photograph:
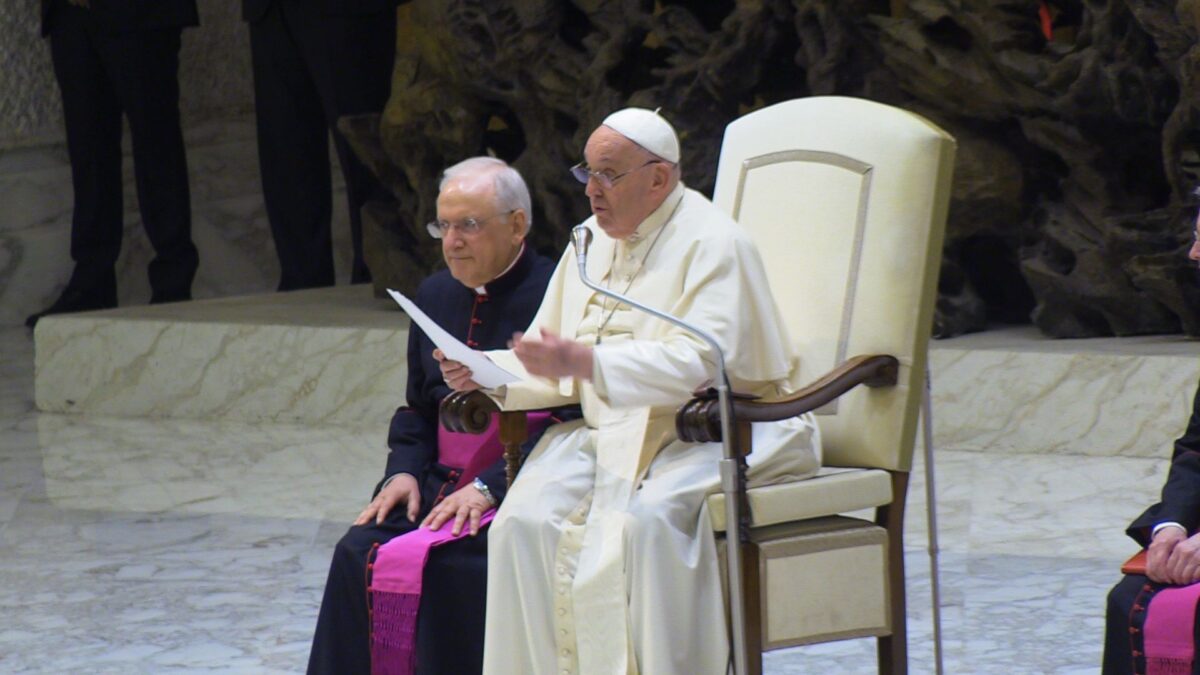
{"type": "Point", "coordinates": [602, 559]}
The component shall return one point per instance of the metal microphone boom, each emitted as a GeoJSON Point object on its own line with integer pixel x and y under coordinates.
{"type": "Point", "coordinates": [581, 237]}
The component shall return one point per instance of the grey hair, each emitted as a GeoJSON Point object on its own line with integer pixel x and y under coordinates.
{"type": "Point", "coordinates": [510, 190]}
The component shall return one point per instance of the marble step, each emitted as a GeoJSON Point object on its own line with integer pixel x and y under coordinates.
{"type": "Point", "coordinates": [337, 356]}
{"type": "Point", "coordinates": [1016, 391]}
{"type": "Point", "coordinates": [322, 356]}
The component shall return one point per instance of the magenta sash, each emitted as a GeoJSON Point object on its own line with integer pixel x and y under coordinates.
{"type": "Point", "coordinates": [396, 570]}
{"type": "Point", "coordinates": [1168, 634]}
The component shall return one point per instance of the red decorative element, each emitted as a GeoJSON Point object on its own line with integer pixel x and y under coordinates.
{"type": "Point", "coordinates": [451, 480]}
{"type": "Point", "coordinates": [479, 299]}
{"type": "Point", "coordinates": [1046, 20]}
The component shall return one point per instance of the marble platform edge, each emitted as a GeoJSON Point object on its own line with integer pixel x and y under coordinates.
{"type": "Point", "coordinates": [1097, 403]}
{"type": "Point", "coordinates": [1027, 338]}
{"type": "Point", "coordinates": [336, 356]}
{"type": "Point", "coordinates": [183, 361]}
{"type": "Point", "coordinates": [344, 306]}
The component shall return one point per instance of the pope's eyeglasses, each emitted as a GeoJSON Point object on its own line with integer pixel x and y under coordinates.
{"type": "Point", "coordinates": [582, 173]}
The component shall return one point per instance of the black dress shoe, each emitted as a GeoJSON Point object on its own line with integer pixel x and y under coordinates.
{"type": "Point", "coordinates": [160, 298]}
{"type": "Point", "coordinates": [75, 299]}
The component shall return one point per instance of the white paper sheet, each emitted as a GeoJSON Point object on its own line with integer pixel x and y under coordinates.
{"type": "Point", "coordinates": [483, 371]}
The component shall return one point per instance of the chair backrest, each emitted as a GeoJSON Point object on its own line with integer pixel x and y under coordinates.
{"type": "Point", "coordinates": [846, 199]}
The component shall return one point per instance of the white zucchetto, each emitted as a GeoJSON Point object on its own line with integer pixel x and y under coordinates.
{"type": "Point", "coordinates": [648, 129]}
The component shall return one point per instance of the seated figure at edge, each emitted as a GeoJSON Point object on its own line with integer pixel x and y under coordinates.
{"type": "Point", "coordinates": [602, 559]}
{"type": "Point", "coordinates": [1169, 531]}
{"type": "Point", "coordinates": [492, 287]}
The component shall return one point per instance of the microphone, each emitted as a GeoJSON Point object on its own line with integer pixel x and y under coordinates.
{"type": "Point", "coordinates": [581, 238]}
{"type": "Point", "coordinates": [732, 475]}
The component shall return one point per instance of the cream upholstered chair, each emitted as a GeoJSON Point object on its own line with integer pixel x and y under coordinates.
{"type": "Point", "coordinates": [847, 201]}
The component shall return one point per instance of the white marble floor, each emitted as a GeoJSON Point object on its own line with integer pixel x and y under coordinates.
{"type": "Point", "coordinates": [163, 546]}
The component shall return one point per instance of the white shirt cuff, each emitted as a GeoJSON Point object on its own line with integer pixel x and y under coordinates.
{"type": "Point", "coordinates": [1166, 524]}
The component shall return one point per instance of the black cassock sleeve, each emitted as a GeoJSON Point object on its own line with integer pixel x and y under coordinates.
{"type": "Point", "coordinates": [412, 436]}
{"type": "Point", "coordinates": [1181, 493]}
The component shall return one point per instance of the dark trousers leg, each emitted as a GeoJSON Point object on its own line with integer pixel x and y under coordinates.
{"type": "Point", "coordinates": [361, 49]}
{"type": "Point", "coordinates": [293, 154]}
{"type": "Point", "coordinates": [450, 624]}
{"type": "Point", "coordinates": [309, 69]}
{"type": "Point", "coordinates": [93, 123]}
{"type": "Point", "coordinates": [144, 65]}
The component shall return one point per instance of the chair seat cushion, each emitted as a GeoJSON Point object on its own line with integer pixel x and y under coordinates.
{"type": "Point", "coordinates": [830, 492]}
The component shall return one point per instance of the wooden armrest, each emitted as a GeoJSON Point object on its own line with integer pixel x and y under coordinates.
{"type": "Point", "coordinates": [699, 420]}
{"type": "Point", "coordinates": [470, 412]}
{"type": "Point", "coordinates": [1136, 564]}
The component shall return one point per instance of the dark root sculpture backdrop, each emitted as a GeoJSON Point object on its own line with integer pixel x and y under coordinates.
{"type": "Point", "coordinates": [1077, 125]}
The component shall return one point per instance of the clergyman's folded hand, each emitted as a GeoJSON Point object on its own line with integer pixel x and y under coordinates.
{"type": "Point", "coordinates": [402, 489]}
{"type": "Point", "coordinates": [1173, 557]}
{"type": "Point", "coordinates": [466, 506]}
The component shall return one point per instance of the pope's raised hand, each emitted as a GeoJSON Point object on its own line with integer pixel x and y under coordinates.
{"type": "Point", "coordinates": [552, 356]}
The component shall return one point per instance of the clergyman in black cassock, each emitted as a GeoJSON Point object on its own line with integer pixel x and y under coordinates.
{"type": "Point", "coordinates": [1180, 504]}
{"type": "Point", "coordinates": [483, 316]}
{"type": "Point", "coordinates": [1176, 517]}
{"type": "Point", "coordinates": [114, 57]}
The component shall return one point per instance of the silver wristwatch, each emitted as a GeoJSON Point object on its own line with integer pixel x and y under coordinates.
{"type": "Point", "coordinates": [483, 489]}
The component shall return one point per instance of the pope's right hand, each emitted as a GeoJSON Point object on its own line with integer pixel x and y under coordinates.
{"type": "Point", "coordinates": [456, 375]}
{"type": "Point", "coordinates": [402, 489]}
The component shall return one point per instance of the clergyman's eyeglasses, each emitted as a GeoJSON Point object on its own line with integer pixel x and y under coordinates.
{"type": "Point", "coordinates": [467, 227]}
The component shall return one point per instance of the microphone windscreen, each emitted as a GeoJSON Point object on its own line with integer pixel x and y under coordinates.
{"type": "Point", "coordinates": [581, 238]}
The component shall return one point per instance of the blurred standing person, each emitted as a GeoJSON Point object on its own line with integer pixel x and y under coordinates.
{"type": "Point", "coordinates": [314, 61]}
{"type": "Point", "coordinates": [114, 57]}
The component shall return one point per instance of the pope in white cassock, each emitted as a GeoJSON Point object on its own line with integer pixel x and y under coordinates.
{"type": "Point", "coordinates": [601, 559]}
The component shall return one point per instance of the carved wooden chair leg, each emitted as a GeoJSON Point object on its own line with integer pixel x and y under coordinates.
{"type": "Point", "coordinates": [513, 433]}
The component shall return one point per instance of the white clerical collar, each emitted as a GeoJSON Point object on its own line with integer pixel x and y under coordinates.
{"type": "Point", "coordinates": [659, 217]}
{"type": "Point", "coordinates": [482, 290]}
